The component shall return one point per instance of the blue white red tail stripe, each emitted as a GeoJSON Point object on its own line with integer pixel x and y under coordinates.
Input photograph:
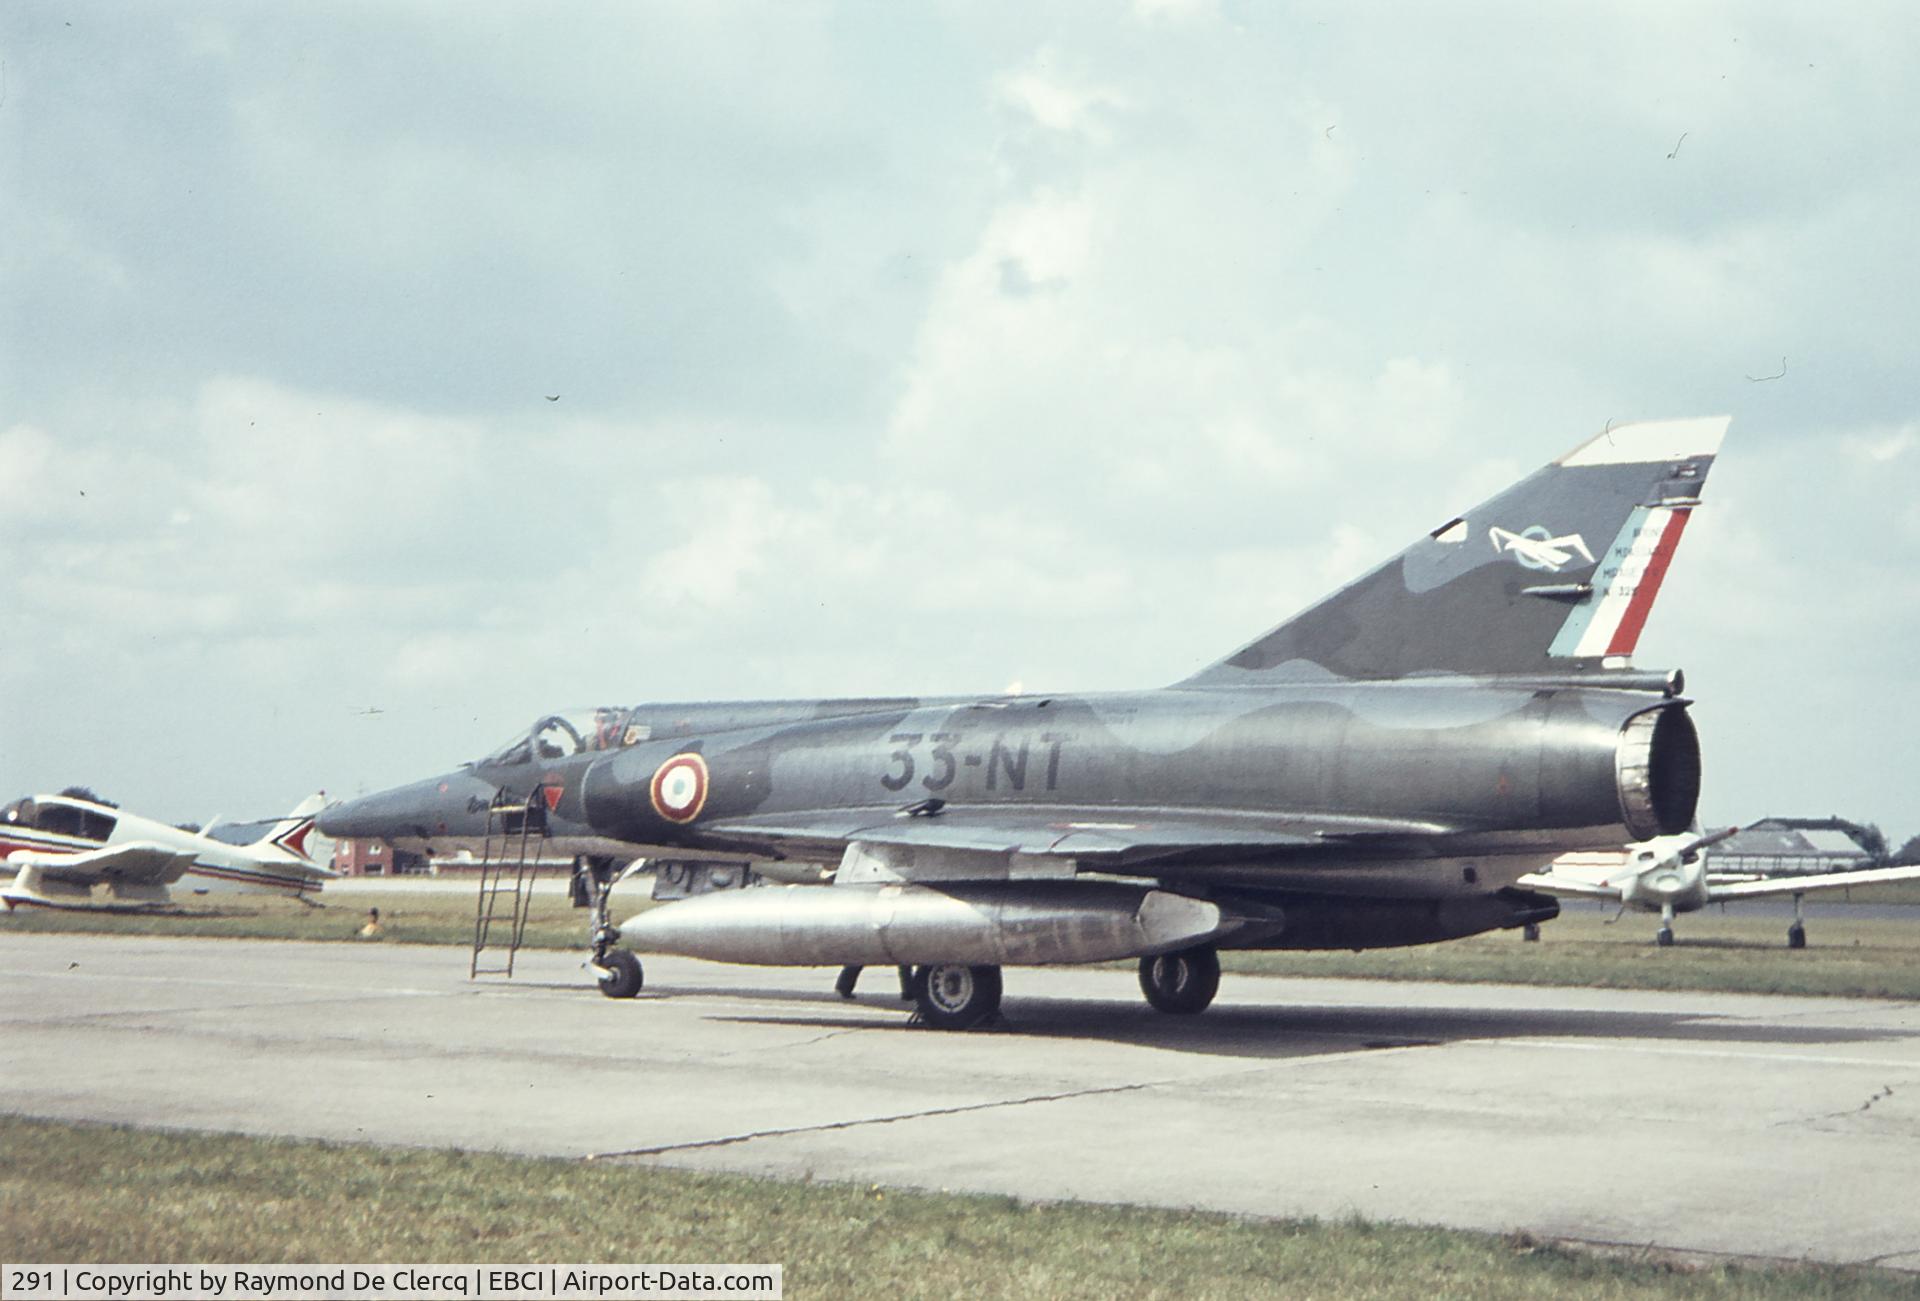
{"type": "Point", "coordinates": [1624, 586]}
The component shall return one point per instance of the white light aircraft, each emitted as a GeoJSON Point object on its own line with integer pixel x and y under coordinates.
{"type": "Point", "coordinates": [60, 847]}
{"type": "Point", "coordinates": [1668, 875]}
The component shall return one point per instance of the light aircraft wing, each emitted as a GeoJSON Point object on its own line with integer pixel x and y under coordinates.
{"type": "Point", "coordinates": [1768, 887]}
{"type": "Point", "coordinates": [136, 874]}
{"type": "Point", "coordinates": [136, 863]}
{"type": "Point", "coordinates": [1563, 887]}
{"type": "Point", "coordinates": [1105, 836]}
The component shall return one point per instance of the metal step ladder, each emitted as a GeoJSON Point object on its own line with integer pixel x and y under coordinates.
{"type": "Point", "coordinates": [509, 861]}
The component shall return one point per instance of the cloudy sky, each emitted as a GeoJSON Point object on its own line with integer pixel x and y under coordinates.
{"type": "Point", "coordinates": [914, 349]}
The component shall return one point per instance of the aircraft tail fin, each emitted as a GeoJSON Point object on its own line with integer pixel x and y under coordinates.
{"type": "Point", "coordinates": [1553, 577]}
{"type": "Point", "coordinates": [291, 832]}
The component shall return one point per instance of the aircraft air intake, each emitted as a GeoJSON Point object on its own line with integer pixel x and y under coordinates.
{"type": "Point", "coordinates": [1657, 766]}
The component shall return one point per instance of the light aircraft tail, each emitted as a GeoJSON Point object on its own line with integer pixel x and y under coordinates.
{"type": "Point", "coordinates": [291, 832]}
{"type": "Point", "coordinates": [1552, 578]}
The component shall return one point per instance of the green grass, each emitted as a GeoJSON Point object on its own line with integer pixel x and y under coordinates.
{"type": "Point", "coordinates": [99, 1193]}
{"type": "Point", "coordinates": [1717, 950]}
{"type": "Point", "coordinates": [1731, 952]}
{"type": "Point", "coordinates": [406, 917]}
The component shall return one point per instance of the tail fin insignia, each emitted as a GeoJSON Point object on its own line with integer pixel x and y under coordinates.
{"type": "Point", "coordinates": [291, 832]}
{"type": "Point", "coordinates": [1484, 609]}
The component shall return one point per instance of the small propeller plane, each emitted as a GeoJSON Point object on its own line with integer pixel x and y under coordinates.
{"type": "Point", "coordinates": [60, 847]}
{"type": "Point", "coordinates": [1385, 768]}
{"type": "Point", "coordinates": [1668, 875]}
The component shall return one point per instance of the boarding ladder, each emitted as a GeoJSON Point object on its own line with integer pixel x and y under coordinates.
{"type": "Point", "coordinates": [509, 861]}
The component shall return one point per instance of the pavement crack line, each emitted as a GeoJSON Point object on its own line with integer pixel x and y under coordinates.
{"type": "Point", "coordinates": [822, 1038]}
{"type": "Point", "coordinates": [1884, 1092]}
{"type": "Point", "coordinates": [828, 1126]}
{"type": "Point", "coordinates": [1066, 1096]}
{"type": "Point", "coordinates": [797, 1043]}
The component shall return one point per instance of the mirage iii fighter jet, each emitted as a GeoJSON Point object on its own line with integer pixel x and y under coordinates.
{"type": "Point", "coordinates": [1382, 769]}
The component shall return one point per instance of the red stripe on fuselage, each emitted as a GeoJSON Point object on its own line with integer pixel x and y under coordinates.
{"type": "Point", "coordinates": [44, 843]}
{"type": "Point", "coordinates": [1627, 635]}
{"type": "Point", "coordinates": [245, 877]}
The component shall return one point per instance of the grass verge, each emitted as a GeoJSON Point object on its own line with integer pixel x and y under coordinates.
{"type": "Point", "coordinates": [98, 1193]}
{"type": "Point", "coordinates": [1861, 957]}
{"type": "Point", "coordinates": [1720, 951]}
{"type": "Point", "coordinates": [406, 917]}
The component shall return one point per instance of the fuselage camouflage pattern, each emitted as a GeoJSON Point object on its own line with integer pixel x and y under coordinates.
{"type": "Point", "coordinates": [1381, 769]}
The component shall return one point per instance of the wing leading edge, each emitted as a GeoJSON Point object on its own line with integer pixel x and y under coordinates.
{"type": "Point", "coordinates": [1770, 887]}
{"type": "Point", "coordinates": [137, 873]}
{"type": "Point", "coordinates": [1103, 837]}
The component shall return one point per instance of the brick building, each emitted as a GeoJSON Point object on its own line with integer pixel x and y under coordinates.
{"type": "Point", "coordinates": [374, 858]}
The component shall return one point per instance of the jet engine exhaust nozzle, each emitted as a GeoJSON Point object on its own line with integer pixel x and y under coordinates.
{"type": "Point", "coordinates": [1657, 765]}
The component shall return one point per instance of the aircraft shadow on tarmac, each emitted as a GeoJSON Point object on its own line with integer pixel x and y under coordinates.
{"type": "Point", "coordinates": [1226, 1030]}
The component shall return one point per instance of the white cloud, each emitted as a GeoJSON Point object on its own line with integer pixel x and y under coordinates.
{"type": "Point", "coordinates": [921, 352]}
{"type": "Point", "coordinates": [718, 536]}
{"type": "Point", "coordinates": [26, 462]}
{"type": "Point", "coordinates": [1055, 102]}
{"type": "Point", "coordinates": [1175, 11]}
{"type": "Point", "coordinates": [46, 240]}
{"type": "Point", "coordinates": [1883, 447]}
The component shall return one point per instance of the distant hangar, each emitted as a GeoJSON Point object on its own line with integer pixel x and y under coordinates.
{"type": "Point", "coordinates": [1794, 847]}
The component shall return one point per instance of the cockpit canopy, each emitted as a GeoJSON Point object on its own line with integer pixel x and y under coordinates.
{"type": "Point", "coordinates": [60, 816]}
{"type": "Point", "coordinates": [575, 731]}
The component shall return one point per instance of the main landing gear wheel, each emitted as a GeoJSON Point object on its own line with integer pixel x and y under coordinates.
{"type": "Point", "coordinates": [1796, 936]}
{"type": "Point", "coordinates": [624, 977]}
{"type": "Point", "coordinates": [1183, 982]}
{"type": "Point", "coordinates": [955, 997]}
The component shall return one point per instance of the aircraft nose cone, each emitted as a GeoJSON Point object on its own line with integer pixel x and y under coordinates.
{"type": "Point", "coordinates": [449, 805]}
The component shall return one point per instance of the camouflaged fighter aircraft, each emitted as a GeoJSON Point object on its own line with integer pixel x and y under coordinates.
{"type": "Point", "coordinates": [1379, 770]}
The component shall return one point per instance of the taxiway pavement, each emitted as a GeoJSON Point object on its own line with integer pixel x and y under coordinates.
{"type": "Point", "coordinates": [1777, 1127]}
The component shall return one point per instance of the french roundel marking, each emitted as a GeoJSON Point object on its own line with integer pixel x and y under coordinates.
{"type": "Point", "coordinates": [680, 788]}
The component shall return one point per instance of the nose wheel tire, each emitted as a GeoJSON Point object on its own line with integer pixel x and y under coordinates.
{"type": "Point", "coordinates": [624, 976]}
{"type": "Point", "coordinates": [1182, 983]}
{"type": "Point", "coordinates": [1664, 936]}
{"type": "Point", "coordinates": [954, 997]}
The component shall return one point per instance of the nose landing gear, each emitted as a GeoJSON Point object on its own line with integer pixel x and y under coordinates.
{"type": "Point", "coordinates": [618, 971]}
{"type": "Point", "coordinates": [624, 976]}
